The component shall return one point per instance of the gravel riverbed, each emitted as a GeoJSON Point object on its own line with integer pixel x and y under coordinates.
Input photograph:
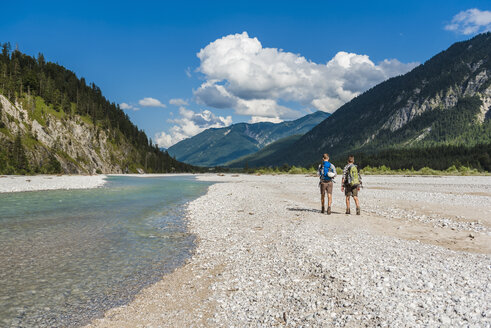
{"type": "Point", "coordinates": [266, 257]}
{"type": "Point", "coordinates": [19, 183]}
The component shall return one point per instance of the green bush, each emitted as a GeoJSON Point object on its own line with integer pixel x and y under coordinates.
{"type": "Point", "coordinates": [297, 170]}
{"type": "Point", "coordinates": [452, 170]}
{"type": "Point", "coordinates": [464, 170]}
{"type": "Point", "coordinates": [428, 171]}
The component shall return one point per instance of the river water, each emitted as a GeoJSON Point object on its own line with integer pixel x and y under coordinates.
{"type": "Point", "coordinates": [67, 256]}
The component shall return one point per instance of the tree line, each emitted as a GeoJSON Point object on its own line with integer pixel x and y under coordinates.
{"type": "Point", "coordinates": [436, 157]}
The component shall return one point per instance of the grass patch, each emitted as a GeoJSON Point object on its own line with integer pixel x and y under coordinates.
{"type": "Point", "coordinates": [6, 132]}
{"type": "Point", "coordinates": [64, 155]}
{"type": "Point", "coordinates": [29, 142]}
{"type": "Point", "coordinates": [10, 118]}
{"type": "Point", "coordinates": [87, 120]}
{"type": "Point", "coordinates": [81, 159]}
{"type": "Point", "coordinates": [38, 115]}
{"type": "Point", "coordinates": [48, 109]}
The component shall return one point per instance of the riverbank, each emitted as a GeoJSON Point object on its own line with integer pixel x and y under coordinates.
{"type": "Point", "coordinates": [419, 255]}
{"type": "Point", "coordinates": [19, 183]}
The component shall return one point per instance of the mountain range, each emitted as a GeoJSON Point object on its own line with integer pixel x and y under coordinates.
{"type": "Point", "coordinates": [219, 146]}
{"type": "Point", "coordinates": [436, 115]}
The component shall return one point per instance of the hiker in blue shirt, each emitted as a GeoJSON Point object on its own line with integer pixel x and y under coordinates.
{"type": "Point", "coordinates": [326, 172]}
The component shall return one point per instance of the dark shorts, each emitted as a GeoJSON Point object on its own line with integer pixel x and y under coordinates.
{"type": "Point", "coordinates": [326, 186]}
{"type": "Point", "coordinates": [351, 191]}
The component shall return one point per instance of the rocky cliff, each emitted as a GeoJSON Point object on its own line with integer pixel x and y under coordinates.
{"type": "Point", "coordinates": [75, 142]}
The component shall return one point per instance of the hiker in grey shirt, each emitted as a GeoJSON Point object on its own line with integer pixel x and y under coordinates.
{"type": "Point", "coordinates": [351, 183]}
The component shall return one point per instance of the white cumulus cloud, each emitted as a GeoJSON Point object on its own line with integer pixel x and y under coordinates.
{"type": "Point", "coordinates": [128, 106]}
{"type": "Point", "coordinates": [189, 124]}
{"type": "Point", "coordinates": [178, 102]}
{"type": "Point", "coordinates": [150, 102]}
{"type": "Point", "coordinates": [257, 119]}
{"type": "Point", "coordinates": [241, 74]}
{"type": "Point", "coordinates": [470, 21]}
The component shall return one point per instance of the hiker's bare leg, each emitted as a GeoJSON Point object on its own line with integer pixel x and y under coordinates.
{"type": "Point", "coordinates": [356, 201]}
{"type": "Point", "coordinates": [322, 200]}
{"type": "Point", "coordinates": [329, 200]}
{"type": "Point", "coordinates": [347, 202]}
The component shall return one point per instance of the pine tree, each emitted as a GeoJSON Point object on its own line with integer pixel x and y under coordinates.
{"type": "Point", "coordinates": [19, 155]}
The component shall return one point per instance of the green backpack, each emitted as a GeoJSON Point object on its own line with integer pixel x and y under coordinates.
{"type": "Point", "coordinates": [353, 177]}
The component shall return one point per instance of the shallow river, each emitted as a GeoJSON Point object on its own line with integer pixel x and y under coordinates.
{"type": "Point", "coordinates": [66, 256]}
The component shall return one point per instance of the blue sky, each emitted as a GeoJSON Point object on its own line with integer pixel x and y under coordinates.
{"type": "Point", "coordinates": [294, 57]}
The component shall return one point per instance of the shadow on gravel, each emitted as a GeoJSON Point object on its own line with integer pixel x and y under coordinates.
{"type": "Point", "coordinates": [303, 210]}
{"type": "Point", "coordinates": [310, 210]}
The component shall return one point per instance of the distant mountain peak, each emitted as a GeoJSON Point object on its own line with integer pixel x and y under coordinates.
{"type": "Point", "coordinates": [218, 146]}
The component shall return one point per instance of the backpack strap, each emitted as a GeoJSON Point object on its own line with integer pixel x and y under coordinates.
{"type": "Point", "coordinates": [348, 171]}
{"type": "Point", "coordinates": [347, 174]}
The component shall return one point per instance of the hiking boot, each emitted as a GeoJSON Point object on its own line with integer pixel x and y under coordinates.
{"type": "Point", "coordinates": [347, 211]}
{"type": "Point", "coordinates": [322, 211]}
{"type": "Point", "coordinates": [357, 211]}
{"type": "Point", "coordinates": [329, 210]}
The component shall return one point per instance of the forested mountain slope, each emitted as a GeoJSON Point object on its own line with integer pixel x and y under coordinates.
{"type": "Point", "coordinates": [53, 122]}
{"type": "Point", "coordinates": [283, 143]}
{"type": "Point", "coordinates": [437, 112]}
